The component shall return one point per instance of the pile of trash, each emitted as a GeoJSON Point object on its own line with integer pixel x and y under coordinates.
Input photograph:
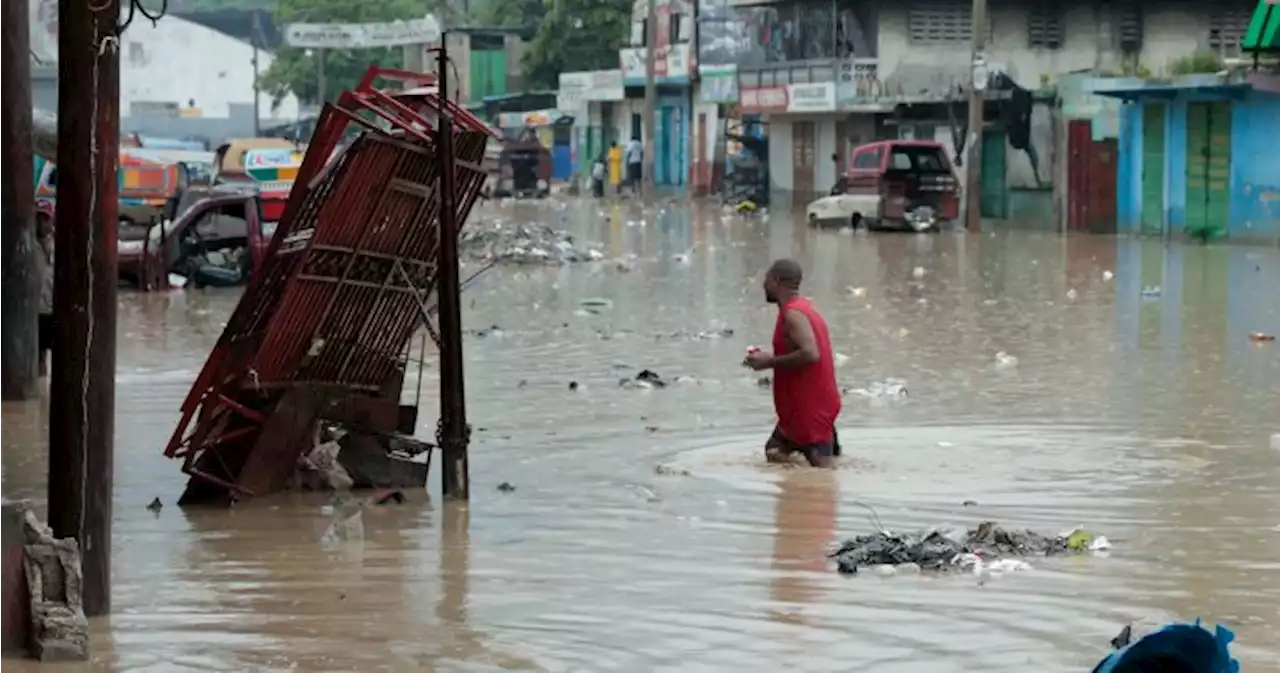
{"type": "Point", "coordinates": [987, 548]}
{"type": "Point", "coordinates": [530, 243]}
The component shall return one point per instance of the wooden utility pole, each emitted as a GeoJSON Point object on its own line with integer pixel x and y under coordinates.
{"type": "Point", "coordinates": [650, 97]}
{"type": "Point", "coordinates": [20, 285]}
{"type": "Point", "coordinates": [82, 387]}
{"type": "Point", "coordinates": [453, 433]}
{"type": "Point", "coordinates": [977, 69]}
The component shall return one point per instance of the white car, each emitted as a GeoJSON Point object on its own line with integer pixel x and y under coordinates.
{"type": "Point", "coordinates": [850, 210]}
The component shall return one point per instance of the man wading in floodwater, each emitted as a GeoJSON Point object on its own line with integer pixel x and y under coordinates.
{"type": "Point", "coordinates": [805, 395]}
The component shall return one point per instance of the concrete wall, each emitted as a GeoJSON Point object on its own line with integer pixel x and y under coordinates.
{"type": "Point", "coordinates": [178, 61]}
{"type": "Point", "coordinates": [782, 151]}
{"type": "Point", "coordinates": [1255, 168]}
{"type": "Point", "coordinates": [1170, 31]}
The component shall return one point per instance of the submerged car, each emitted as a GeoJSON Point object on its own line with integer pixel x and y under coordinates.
{"type": "Point", "coordinates": [892, 184]}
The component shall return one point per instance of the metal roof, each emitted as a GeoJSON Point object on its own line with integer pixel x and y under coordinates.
{"type": "Point", "coordinates": [1263, 34]}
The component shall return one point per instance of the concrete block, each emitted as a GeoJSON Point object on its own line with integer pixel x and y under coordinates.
{"type": "Point", "coordinates": [59, 629]}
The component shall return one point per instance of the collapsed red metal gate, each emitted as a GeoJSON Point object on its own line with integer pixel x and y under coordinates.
{"type": "Point", "coordinates": [323, 329]}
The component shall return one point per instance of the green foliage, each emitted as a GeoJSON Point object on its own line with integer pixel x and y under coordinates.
{"type": "Point", "coordinates": [574, 36]}
{"type": "Point", "coordinates": [509, 13]}
{"type": "Point", "coordinates": [297, 72]}
{"type": "Point", "coordinates": [1196, 63]}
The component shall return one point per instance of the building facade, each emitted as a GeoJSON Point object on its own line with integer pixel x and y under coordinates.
{"type": "Point", "coordinates": [825, 76]}
{"type": "Point", "coordinates": [1196, 157]}
{"type": "Point", "coordinates": [597, 102]}
{"type": "Point", "coordinates": [177, 78]}
{"type": "Point", "coordinates": [674, 71]}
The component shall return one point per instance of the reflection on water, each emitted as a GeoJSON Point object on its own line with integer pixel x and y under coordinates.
{"type": "Point", "coordinates": [805, 520]}
{"type": "Point", "coordinates": [1142, 414]}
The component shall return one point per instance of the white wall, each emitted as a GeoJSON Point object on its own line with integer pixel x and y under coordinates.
{"type": "Point", "coordinates": [177, 61]}
{"type": "Point", "coordinates": [780, 152]}
{"type": "Point", "coordinates": [1168, 33]}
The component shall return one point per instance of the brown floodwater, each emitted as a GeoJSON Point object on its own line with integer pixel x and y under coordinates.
{"type": "Point", "coordinates": [1143, 415]}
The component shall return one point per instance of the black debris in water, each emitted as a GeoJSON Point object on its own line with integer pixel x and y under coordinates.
{"type": "Point", "coordinates": [155, 506]}
{"type": "Point", "coordinates": [650, 376]}
{"type": "Point", "coordinates": [573, 385]}
{"type": "Point", "coordinates": [388, 498]}
{"type": "Point", "coordinates": [941, 550]}
{"type": "Point", "coordinates": [506, 487]}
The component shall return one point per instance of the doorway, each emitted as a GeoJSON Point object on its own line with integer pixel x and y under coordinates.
{"type": "Point", "coordinates": [1208, 168]}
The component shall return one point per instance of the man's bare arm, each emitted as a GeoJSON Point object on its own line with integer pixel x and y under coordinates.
{"type": "Point", "coordinates": [800, 333]}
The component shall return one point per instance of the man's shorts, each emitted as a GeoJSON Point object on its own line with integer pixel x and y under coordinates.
{"type": "Point", "coordinates": [779, 441]}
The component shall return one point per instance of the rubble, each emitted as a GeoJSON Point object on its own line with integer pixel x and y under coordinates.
{"type": "Point", "coordinates": [530, 243]}
{"type": "Point", "coordinates": [59, 629]}
{"type": "Point", "coordinates": [987, 548]}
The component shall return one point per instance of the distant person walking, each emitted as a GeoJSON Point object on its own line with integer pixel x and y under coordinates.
{"type": "Point", "coordinates": [44, 324]}
{"type": "Point", "coordinates": [805, 395]}
{"type": "Point", "coordinates": [635, 158]}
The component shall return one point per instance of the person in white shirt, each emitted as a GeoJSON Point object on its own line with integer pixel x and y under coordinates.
{"type": "Point", "coordinates": [634, 155]}
{"type": "Point", "coordinates": [598, 173]}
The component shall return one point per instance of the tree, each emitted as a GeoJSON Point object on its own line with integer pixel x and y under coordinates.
{"type": "Point", "coordinates": [296, 71]}
{"type": "Point", "coordinates": [510, 13]}
{"type": "Point", "coordinates": [576, 35]}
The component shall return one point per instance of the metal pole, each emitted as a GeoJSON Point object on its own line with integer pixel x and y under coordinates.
{"type": "Point", "coordinates": [322, 81]}
{"type": "Point", "coordinates": [253, 40]}
{"type": "Point", "coordinates": [650, 96]}
{"type": "Point", "coordinates": [82, 388]}
{"type": "Point", "coordinates": [454, 433]}
{"type": "Point", "coordinates": [21, 266]}
{"type": "Point", "coordinates": [973, 172]}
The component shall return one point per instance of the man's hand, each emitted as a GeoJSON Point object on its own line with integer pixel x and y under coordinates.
{"type": "Point", "coordinates": [758, 360]}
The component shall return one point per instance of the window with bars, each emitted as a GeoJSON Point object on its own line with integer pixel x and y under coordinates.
{"type": "Point", "coordinates": [941, 24]}
{"type": "Point", "coordinates": [1045, 27]}
{"type": "Point", "coordinates": [1227, 27]}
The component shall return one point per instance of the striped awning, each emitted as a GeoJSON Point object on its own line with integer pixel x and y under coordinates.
{"type": "Point", "coordinates": [1264, 29]}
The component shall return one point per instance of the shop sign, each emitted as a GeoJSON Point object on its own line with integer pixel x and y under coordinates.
{"type": "Point", "coordinates": [812, 97]}
{"type": "Point", "coordinates": [764, 99]}
{"type": "Point", "coordinates": [670, 64]}
{"type": "Point", "coordinates": [718, 83]}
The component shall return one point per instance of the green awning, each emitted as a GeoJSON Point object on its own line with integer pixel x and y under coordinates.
{"type": "Point", "coordinates": [1264, 29]}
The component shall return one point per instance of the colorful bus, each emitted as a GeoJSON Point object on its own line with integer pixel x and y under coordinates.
{"type": "Point", "coordinates": [146, 186]}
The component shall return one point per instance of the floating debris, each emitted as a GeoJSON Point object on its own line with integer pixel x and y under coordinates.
{"type": "Point", "coordinates": [704, 335]}
{"type": "Point", "coordinates": [1261, 337]}
{"type": "Point", "coordinates": [985, 549]}
{"type": "Point", "coordinates": [155, 506]}
{"type": "Point", "coordinates": [506, 487]}
{"type": "Point", "coordinates": [646, 379]}
{"type": "Point", "coordinates": [888, 389]}
{"type": "Point", "coordinates": [531, 243]}
{"type": "Point", "coordinates": [1006, 361]}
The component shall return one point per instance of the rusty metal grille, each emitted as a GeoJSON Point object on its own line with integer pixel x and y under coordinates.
{"type": "Point", "coordinates": [345, 284]}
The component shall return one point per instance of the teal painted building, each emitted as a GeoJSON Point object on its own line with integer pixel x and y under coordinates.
{"type": "Point", "coordinates": [1198, 155]}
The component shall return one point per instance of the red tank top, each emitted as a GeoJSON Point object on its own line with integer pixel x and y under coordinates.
{"type": "Point", "coordinates": [806, 398]}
